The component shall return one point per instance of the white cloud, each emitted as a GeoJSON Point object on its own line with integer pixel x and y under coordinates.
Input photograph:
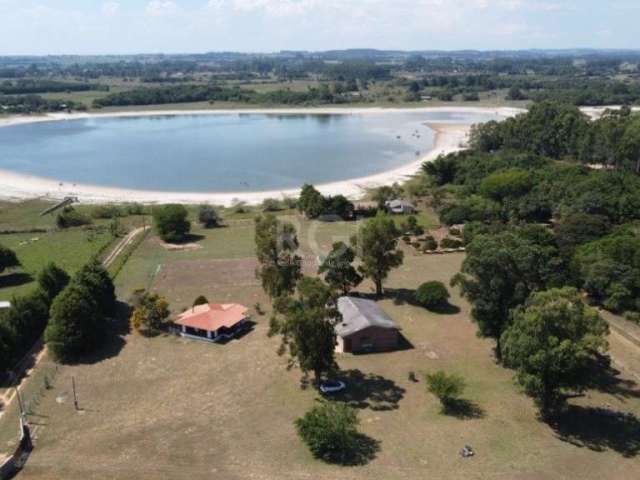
{"type": "Point", "coordinates": [160, 8]}
{"type": "Point", "coordinates": [109, 9]}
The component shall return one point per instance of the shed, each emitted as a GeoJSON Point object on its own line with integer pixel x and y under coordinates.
{"type": "Point", "coordinates": [365, 327]}
{"type": "Point", "coordinates": [400, 206]}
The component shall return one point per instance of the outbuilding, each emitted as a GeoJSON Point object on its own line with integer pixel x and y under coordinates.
{"type": "Point", "coordinates": [213, 322]}
{"type": "Point", "coordinates": [365, 327]}
{"type": "Point", "coordinates": [400, 207]}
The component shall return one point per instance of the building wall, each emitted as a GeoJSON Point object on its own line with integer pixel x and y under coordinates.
{"type": "Point", "coordinates": [380, 339]}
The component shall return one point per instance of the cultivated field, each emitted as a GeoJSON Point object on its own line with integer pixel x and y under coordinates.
{"type": "Point", "coordinates": [165, 407]}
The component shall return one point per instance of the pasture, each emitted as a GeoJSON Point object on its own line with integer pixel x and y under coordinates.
{"type": "Point", "coordinates": [163, 407]}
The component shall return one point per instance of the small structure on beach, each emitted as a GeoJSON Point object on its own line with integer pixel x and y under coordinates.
{"type": "Point", "coordinates": [400, 207]}
{"type": "Point", "coordinates": [365, 327]}
{"type": "Point", "coordinates": [213, 322]}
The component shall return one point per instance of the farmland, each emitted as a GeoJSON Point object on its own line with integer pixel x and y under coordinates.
{"type": "Point", "coordinates": [164, 406]}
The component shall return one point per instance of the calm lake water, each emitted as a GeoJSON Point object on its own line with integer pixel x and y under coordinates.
{"type": "Point", "coordinates": [220, 153]}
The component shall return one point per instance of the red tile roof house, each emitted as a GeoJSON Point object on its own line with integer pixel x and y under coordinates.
{"type": "Point", "coordinates": [213, 322]}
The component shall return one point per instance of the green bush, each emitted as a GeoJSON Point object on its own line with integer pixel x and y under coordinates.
{"type": "Point", "coordinates": [450, 243]}
{"type": "Point", "coordinates": [8, 259]}
{"type": "Point", "coordinates": [106, 211]}
{"type": "Point", "coordinates": [208, 217]}
{"type": "Point", "coordinates": [447, 387]}
{"type": "Point", "coordinates": [272, 205]}
{"type": "Point", "coordinates": [430, 243]}
{"type": "Point", "coordinates": [200, 300]}
{"type": "Point", "coordinates": [432, 295]}
{"type": "Point", "coordinates": [455, 232]}
{"type": "Point", "coordinates": [70, 217]}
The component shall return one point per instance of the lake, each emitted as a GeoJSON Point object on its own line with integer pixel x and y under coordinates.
{"type": "Point", "coordinates": [221, 152]}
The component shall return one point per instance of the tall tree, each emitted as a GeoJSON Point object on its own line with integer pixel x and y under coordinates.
{"type": "Point", "coordinates": [52, 280]}
{"type": "Point", "coordinates": [276, 243]}
{"type": "Point", "coordinates": [7, 347]}
{"type": "Point", "coordinates": [172, 222]}
{"type": "Point", "coordinates": [553, 341]}
{"type": "Point", "coordinates": [75, 324]}
{"type": "Point", "coordinates": [311, 202]}
{"type": "Point", "coordinates": [97, 281]}
{"type": "Point", "coordinates": [8, 259]}
{"type": "Point", "coordinates": [339, 270]}
{"type": "Point", "coordinates": [306, 324]}
{"type": "Point", "coordinates": [501, 270]}
{"type": "Point", "coordinates": [376, 244]}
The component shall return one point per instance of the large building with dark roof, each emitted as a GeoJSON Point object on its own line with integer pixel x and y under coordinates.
{"type": "Point", "coordinates": [365, 327]}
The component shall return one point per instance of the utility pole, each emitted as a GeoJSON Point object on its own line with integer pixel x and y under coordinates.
{"type": "Point", "coordinates": [75, 396]}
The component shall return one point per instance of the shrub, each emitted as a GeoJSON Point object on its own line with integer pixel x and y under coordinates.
{"type": "Point", "coordinates": [171, 222]}
{"type": "Point", "coordinates": [272, 205]}
{"type": "Point", "coordinates": [450, 243]}
{"type": "Point", "coordinates": [412, 227]}
{"type": "Point", "coordinates": [432, 294]}
{"type": "Point", "coordinates": [430, 243]}
{"type": "Point", "coordinates": [70, 217]}
{"type": "Point", "coordinates": [455, 232]}
{"type": "Point", "coordinates": [447, 387]}
{"type": "Point", "coordinates": [415, 244]}
{"type": "Point", "coordinates": [208, 217]}
{"type": "Point", "coordinates": [8, 258]}
{"type": "Point", "coordinates": [134, 209]}
{"type": "Point", "coordinates": [150, 312]}
{"type": "Point", "coordinates": [201, 300]}
{"type": "Point", "coordinates": [106, 211]}
{"type": "Point", "coordinates": [406, 239]}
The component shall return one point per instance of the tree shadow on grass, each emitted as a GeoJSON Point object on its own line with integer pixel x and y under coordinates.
{"type": "Point", "coordinates": [369, 391]}
{"type": "Point", "coordinates": [605, 378]}
{"type": "Point", "coordinates": [189, 238]}
{"type": "Point", "coordinates": [15, 279]}
{"type": "Point", "coordinates": [115, 329]}
{"type": "Point", "coordinates": [363, 450]}
{"type": "Point", "coordinates": [463, 409]}
{"type": "Point", "coordinates": [599, 429]}
{"type": "Point", "coordinates": [405, 296]}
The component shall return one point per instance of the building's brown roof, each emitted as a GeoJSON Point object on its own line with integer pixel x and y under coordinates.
{"type": "Point", "coordinates": [213, 316]}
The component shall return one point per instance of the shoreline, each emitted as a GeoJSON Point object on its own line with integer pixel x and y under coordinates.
{"type": "Point", "coordinates": [448, 138]}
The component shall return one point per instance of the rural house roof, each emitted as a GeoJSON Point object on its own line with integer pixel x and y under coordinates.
{"type": "Point", "coordinates": [213, 316]}
{"type": "Point", "coordinates": [359, 314]}
{"type": "Point", "coordinates": [393, 204]}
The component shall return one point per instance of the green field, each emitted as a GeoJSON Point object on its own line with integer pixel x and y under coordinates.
{"type": "Point", "coordinates": [70, 248]}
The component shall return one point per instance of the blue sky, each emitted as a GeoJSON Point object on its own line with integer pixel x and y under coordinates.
{"type": "Point", "coordinates": [171, 26]}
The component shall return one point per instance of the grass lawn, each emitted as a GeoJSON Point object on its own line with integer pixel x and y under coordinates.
{"type": "Point", "coordinates": [69, 249]}
{"type": "Point", "coordinates": [166, 407]}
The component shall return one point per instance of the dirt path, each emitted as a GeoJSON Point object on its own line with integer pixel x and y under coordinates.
{"type": "Point", "coordinates": [123, 244]}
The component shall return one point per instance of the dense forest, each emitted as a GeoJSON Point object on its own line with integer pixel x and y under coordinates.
{"type": "Point", "coordinates": [554, 198]}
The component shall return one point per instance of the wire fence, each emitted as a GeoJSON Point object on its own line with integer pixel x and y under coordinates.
{"type": "Point", "coordinates": [31, 391]}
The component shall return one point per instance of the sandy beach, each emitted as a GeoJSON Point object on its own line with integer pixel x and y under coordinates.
{"type": "Point", "coordinates": [449, 137]}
